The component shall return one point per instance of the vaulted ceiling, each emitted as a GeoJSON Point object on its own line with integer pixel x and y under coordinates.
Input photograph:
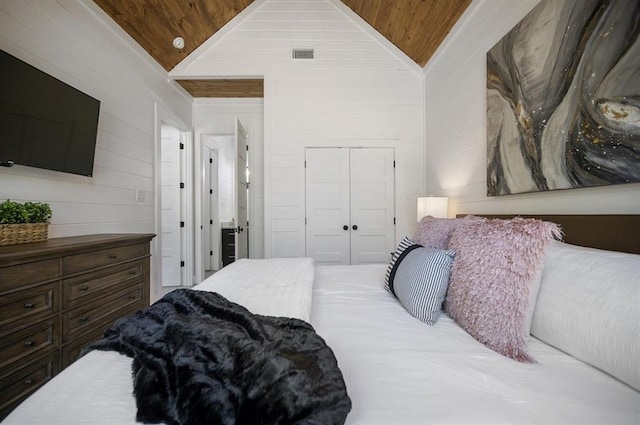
{"type": "Point", "coordinates": [417, 27]}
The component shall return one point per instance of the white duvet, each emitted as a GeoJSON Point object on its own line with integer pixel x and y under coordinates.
{"type": "Point", "coordinates": [398, 370]}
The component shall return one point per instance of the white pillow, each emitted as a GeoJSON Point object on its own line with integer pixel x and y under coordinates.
{"type": "Point", "coordinates": [420, 281]}
{"type": "Point", "coordinates": [589, 307]}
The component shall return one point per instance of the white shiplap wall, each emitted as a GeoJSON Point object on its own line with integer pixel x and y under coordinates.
{"type": "Point", "coordinates": [358, 91]}
{"type": "Point", "coordinates": [455, 87]}
{"type": "Point", "coordinates": [77, 43]}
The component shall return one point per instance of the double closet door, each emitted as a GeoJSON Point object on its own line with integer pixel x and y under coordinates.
{"type": "Point", "coordinates": [350, 205]}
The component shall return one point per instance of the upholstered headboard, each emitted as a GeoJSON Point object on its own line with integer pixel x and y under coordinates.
{"type": "Point", "coordinates": [610, 232]}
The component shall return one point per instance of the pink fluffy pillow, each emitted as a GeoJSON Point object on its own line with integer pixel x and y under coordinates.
{"type": "Point", "coordinates": [435, 232]}
{"type": "Point", "coordinates": [492, 279]}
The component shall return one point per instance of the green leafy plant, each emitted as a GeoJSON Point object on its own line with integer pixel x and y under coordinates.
{"type": "Point", "coordinates": [28, 212]}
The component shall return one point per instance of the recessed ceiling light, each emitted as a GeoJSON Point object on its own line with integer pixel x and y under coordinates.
{"type": "Point", "coordinates": [178, 42]}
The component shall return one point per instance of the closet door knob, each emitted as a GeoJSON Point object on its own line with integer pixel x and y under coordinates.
{"type": "Point", "coordinates": [345, 227]}
{"type": "Point", "coordinates": [354, 227]}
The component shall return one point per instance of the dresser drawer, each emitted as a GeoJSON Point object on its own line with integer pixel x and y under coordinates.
{"type": "Point", "coordinates": [72, 350]}
{"type": "Point", "coordinates": [17, 385]}
{"type": "Point", "coordinates": [29, 342]}
{"type": "Point", "coordinates": [80, 289]}
{"type": "Point", "coordinates": [21, 275]}
{"type": "Point", "coordinates": [91, 260]}
{"type": "Point", "coordinates": [100, 313]}
{"type": "Point", "coordinates": [28, 305]}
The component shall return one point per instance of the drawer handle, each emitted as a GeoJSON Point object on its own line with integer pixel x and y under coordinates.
{"type": "Point", "coordinates": [29, 305]}
{"type": "Point", "coordinates": [132, 272]}
{"type": "Point", "coordinates": [132, 297]}
{"type": "Point", "coordinates": [113, 255]}
{"type": "Point", "coordinates": [28, 381]}
{"type": "Point", "coordinates": [30, 343]}
{"type": "Point", "coordinates": [84, 288]}
{"type": "Point", "coordinates": [83, 319]}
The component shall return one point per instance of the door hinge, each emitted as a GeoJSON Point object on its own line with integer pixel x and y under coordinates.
{"type": "Point", "coordinates": [182, 224]}
{"type": "Point", "coordinates": [210, 252]}
{"type": "Point", "coordinates": [394, 164]}
{"type": "Point", "coordinates": [305, 221]}
{"type": "Point", "coordinates": [181, 263]}
{"type": "Point", "coordinates": [181, 185]}
{"type": "Point", "coordinates": [210, 221]}
{"type": "Point", "coordinates": [210, 160]}
{"type": "Point", "coordinates": [305, 163]}
{"type": "Point", "coordinates": [210, 191]}
{"type": "Point", "coordinates": [394, 221]}
{"type": "Point", "coordinates": [247, 147]}
{"type": "Point", "coordinates": [181, 146]}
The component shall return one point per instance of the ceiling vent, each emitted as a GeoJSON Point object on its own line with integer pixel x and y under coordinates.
{"type": "Point", "coordinates": [302, 53]}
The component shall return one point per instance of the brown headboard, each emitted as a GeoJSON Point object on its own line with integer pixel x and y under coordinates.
{"type": "Point", "coordinates": [611, 232]}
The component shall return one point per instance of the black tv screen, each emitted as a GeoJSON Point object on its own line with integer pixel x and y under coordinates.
{"type": "Point", "coordinates": [44, 122]}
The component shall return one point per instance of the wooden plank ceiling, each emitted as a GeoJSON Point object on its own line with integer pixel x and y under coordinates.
{"type": "Point", "coordinates": [417, 27]}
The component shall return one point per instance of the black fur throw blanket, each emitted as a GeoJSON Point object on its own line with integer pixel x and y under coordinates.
{"type": "Point", "coordinates": [201, 359]}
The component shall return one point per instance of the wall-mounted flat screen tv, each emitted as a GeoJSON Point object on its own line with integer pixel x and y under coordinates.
{"type": "Point", "coordinates": [44, 122]}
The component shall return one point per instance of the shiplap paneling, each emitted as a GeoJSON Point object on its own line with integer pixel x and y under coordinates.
{"type": "Point", "coordinates": [76, 43]}
{"type": "Point", "coordinates": [455, 90]}
{"type": "Point", "coordinates": [354, 93]}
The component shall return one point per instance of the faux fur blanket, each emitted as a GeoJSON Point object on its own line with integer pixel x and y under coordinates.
{"type": "Point", "coordinates": [199, 358]}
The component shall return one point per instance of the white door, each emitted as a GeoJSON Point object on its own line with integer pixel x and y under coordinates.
{"type": "Point", "coordinates": [210, 226]}
{"type": "Point", "coordinates": [242, 225]}
{"type": "Point", "coordinates": [372, 205]}
{"type": "Point", "coordinates": [327, 205]}
{"type": "Point", "coordinates": [349, 205]}
{"type": "Point", "coordinates": [170, 186]}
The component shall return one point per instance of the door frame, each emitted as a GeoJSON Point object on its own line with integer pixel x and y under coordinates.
{"type": "Point", "coordinates": [199, 188]}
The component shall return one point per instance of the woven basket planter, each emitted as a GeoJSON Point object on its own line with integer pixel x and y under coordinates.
{"type": "Point", "coordinates": [14, 234]}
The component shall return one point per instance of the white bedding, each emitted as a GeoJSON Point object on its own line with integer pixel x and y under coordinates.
{"type": "Point", "coordinates": [274, 287]}
{"type": "Point", "coordinates": [398, 370]}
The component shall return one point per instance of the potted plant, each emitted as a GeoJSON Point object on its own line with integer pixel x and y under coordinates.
{"type": "Point", "coordinates": [23, 222]}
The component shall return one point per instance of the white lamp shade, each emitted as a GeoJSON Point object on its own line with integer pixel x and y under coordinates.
{"type": "Point", "coordinates": [435, 206]}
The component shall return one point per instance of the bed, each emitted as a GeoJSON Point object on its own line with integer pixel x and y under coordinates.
{"type": "Point", "coordinates": [399, 370]}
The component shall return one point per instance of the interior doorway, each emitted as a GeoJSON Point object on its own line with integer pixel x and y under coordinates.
{"type": "Point", "coordinates": [221, 200]}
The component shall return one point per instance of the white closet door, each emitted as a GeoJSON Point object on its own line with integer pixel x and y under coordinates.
{"type": "Point", "coordinates": [327, 205]}
{"type": "Point", "coordinates": [350, 205]}
{"type": "Point", "coordinates": [372, 205]}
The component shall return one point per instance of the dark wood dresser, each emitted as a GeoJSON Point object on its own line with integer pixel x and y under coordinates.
{"type": "Point", "coordinates": [58, 296]}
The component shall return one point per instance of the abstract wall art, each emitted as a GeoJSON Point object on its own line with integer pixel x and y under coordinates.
{"type": "Point", "coordinates": [563, 98]}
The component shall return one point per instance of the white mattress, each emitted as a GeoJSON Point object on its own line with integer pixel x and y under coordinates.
{"type": "Point", "coordinates": [400, 371]}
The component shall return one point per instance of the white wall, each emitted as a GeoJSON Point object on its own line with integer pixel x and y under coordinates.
{"type": "Point", "coordinates": [78, 44]}
{"type": "Point", "coordinates": [455, 87]}
{"type": "Point", "coordinates": [358, 91]}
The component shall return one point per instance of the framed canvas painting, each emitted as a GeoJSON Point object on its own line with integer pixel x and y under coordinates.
{"type": "Point", "coordinates": [563, 98]}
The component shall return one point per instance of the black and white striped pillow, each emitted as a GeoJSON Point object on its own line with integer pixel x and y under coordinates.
{"type": "Point", "coordinates": [420, 280]}
{"type": "Point", "coordinates": [402, 246]}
